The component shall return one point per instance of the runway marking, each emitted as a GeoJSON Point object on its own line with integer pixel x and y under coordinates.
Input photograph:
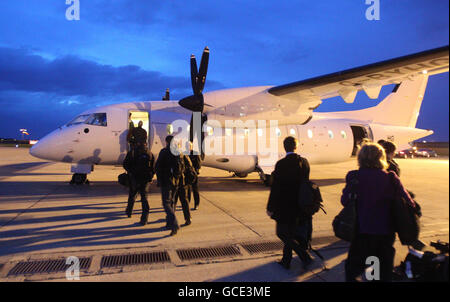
{"type": "Point", "coordinates": [223, 210]}
{"type": "Point", "coordinates": [24, 210]}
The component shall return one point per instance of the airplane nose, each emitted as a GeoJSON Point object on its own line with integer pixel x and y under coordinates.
{"type": "Point", "coordinates": [38, 150]}
{"type": "Point", "coordinates": [49, 147]}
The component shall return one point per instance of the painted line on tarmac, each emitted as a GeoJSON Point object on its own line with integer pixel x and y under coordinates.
{"type": "Point", "coordinates": [235, 218]}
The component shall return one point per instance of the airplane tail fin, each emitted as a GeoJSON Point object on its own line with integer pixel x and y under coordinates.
{"type": "Point", "coordinates": [401, 107]}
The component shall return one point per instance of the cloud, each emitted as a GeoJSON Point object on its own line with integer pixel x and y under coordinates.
{"type": "Point", "coordinates": [22, 70]}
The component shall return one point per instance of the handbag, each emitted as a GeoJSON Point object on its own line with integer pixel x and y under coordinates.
{"type": "Point", "coordinates": [344, 224]}
{"type": "Point", "coordinates": [124, 179]}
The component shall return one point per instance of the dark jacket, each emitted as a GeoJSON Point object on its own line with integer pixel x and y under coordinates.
{"type": "Point", "coordinates": [139, 166]}
{"type": "Point", "coordinates": [168, 168]}
{"type": "Point", "coordinates": [376, 190]}
{"type": "Point", "coordinates": [185, 165]}
{"type": "Point", "coordinates": [140, 135]}
{"type": "Point", "coordinates": [394, 167]}
{"type": "Point", "coordinates": [288, 175]}
{"type": "Point", "coordinates": [196, 162]}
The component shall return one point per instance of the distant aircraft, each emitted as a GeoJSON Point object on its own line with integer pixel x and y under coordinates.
{"type": "Point", "coordinates": [98, 136]}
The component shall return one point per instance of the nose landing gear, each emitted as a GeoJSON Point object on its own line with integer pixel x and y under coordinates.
{"type": "Point", "coordinates": [79, 179]}
{"type": "Point", "coordinates": [80, 173]}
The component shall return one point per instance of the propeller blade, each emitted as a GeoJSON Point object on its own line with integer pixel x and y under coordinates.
{"type": "Point", "coordinates": [192, 103]}
{"type": "Point", "coordinates": [203, 69]}
{"type": "Point", "coordinates": [194, 74]}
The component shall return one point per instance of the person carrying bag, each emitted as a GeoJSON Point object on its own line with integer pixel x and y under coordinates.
{"type": "Point", "coordinates": [371, 201]}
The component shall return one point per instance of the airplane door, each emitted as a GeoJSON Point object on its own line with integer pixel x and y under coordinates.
{"type": "Point", "coordinates": [135, 116]}
{"type": "Point", "coordinates": [360, 132]}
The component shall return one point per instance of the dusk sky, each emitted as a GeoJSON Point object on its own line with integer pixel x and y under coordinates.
{"type": "Point", "coordinates": [51, 69]}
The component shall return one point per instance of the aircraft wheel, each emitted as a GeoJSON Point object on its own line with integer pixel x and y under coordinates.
{"type": "Point", "coordinates": [79, 179]}
{"type": "Point", "coordinates": [267, 180]}
{"type": "Point", "coordinates": [241, 175]}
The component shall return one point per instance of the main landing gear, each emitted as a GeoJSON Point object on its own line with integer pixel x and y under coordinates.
{"type": "Point", "coordinates": [266, 178]}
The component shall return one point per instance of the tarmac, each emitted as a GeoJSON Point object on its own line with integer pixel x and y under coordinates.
{"type": "Point", "coordinates": [42, 217]}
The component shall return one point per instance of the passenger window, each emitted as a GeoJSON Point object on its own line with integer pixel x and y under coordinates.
{"type": "Point", "coordinates": [292, 131]}
{"type": "Point", "coordinates": [97, 119]}
{"type": "Point", "coordinates": [330, 134]}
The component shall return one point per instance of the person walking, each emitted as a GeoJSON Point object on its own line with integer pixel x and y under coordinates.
{"type": "Point", "coordinates": [197, 164]}
{"type": "Point", "coordinates": [184, 187]}
{"type": "Point", "coordinates": [390, 148]}
{"type": "Point", "coordinates": [374, 231]}
{"type": "Point", "coordinates": [292, 228]}
{"type": "Point", "coordinates": [139, 165]}
{"type": "Point", "coordinates": [168, 172]}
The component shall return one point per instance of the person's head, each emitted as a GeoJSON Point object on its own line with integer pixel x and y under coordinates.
{"type": "Point", "coordinates": [140, 124]}
{"type": "Point", "coordinates": [290, 144]}
{"type": "Point", "coordinates": [169, 139]}
{"type": "Point", "coordinates": [389, 148]}
{"type": "Point", "coordinates": [372, 155]}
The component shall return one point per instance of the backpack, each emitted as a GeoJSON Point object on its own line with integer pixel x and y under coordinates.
{"type": "Point", "coordinates": [309, 197]}
{"type": "Point", "coordinates": [143, 166]}
{"type": "Point", "coordinates": [406, 219]}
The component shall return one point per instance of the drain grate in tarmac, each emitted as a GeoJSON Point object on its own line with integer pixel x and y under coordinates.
{"type": "Point", "coordinates": [134, 259]}
{"type": "Point", "coordinates": [262, 247]}
{"type": "Point", "coordinates": [46, 266]}
{"type": "Point", "coordinates": [208, 253]}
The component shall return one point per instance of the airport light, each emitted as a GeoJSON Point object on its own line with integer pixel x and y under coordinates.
{"type": "Point", "coordinates": [24, 131]}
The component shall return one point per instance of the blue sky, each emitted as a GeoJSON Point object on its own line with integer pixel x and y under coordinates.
{"type": "Point", "coordinates": [51, 69]}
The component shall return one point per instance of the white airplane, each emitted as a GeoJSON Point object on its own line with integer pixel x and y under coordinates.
{"type": "Point", "coordinates": [98, 135]}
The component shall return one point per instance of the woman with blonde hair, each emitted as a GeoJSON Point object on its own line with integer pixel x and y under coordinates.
{"type": "Point", "coordinates": [375, 189]}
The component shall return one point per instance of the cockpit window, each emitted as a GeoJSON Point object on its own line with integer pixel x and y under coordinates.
{"type": "Point", "coordinates": [78, 120]}
{"type": "Point", "coordinates": [96, 119]}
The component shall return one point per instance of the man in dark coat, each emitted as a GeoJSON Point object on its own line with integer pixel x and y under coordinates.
{"type": "Point", "coordinates": [168, 171]}
{"type": "Point", "coordinates": [197, 164]}
{"type": "Point", "coordinates": [139, 165]}
{"type": "Point", "coordinates": [139, 135]}
{"type": "Point", "coordinates": [183, 189]}
{"type": "Point", "coordinates": [292, 228]}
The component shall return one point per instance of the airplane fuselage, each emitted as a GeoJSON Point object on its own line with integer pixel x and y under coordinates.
{"type": "Point", "coordinates": [324, 138]}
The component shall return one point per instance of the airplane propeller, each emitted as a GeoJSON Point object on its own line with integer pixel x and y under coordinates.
{"type": "Point", "coordinates": [196, 102]}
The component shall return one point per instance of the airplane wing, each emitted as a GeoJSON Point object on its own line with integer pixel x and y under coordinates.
{"type": "Point", "coordinates": [369, 78]}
